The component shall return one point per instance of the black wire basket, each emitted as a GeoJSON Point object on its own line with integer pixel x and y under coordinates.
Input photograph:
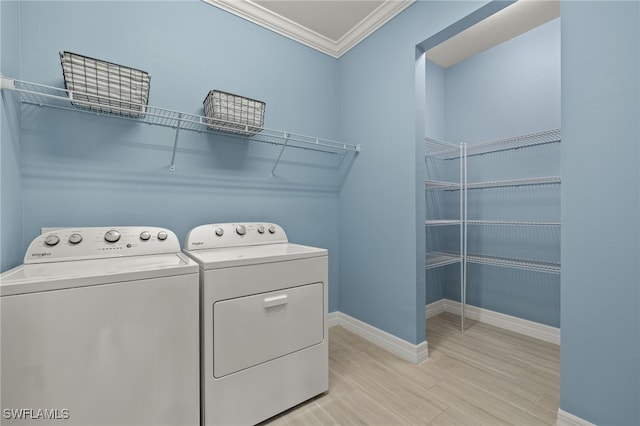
{"type": "Point", "coordinates": [235, 114]}
{"type": "Point", "coordinates": [104, 86]}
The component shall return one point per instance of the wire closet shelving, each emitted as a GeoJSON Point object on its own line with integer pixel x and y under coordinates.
{"type": "Point", "coordinates": [440, 150]}
{"type": "Point", "coordinates": [54, 97]}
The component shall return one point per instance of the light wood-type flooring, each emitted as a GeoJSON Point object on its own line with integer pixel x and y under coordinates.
{"type": "Point", "coordinates": [485, 376]}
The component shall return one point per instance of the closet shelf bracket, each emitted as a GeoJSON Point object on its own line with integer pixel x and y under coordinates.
{"type": "Point", "coordinates": [284, 145]}
{"type": "Point", "coordinates": [175, 144]}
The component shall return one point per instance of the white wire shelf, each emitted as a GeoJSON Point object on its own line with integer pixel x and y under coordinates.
{"type": "Point", "coordinates": [517, 142]}
{"type": "Point", "coordinates": [547, 180]}
{"type": "Point", "coordinates": [440, 149]}
{"type": "Point", "coordinates": [453, 186]}
{"type": "Point", "coordinates": [442, 222]}
{"type": "Point", "coordinates": [446, 222]}
{"type": "Point", "coordinates": [512, 223]}
{"type": "Point", "coordinates": [55, 97]}
{"type": "Point", "coordinates": [449, 151]}
{"type": "Point", "coordinates": [506, 262]}
{"type": "Point", "coordinates": [435, 260]}
{"type": "Point", "coordinates": [442, 185]}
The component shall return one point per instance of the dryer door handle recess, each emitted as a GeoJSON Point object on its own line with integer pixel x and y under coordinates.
{"type": "Point", "coordinates": [270, 302]}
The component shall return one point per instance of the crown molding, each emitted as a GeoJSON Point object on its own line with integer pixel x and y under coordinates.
{"type": "Point", "coordinates": [383, 14]}
{"type": "Point", "coordinates": [264, 17]}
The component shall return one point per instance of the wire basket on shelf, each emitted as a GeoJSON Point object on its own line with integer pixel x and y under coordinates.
{"type": "Point", "coordinates": [235, 114]}
{"type": "Point", "coordinates": [104, 86]}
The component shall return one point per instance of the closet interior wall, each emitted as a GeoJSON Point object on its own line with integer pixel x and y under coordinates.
{"type": "Point", "coordinates": [501, 106]}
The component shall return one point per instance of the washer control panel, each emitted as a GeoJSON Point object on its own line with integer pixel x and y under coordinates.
{"type": "Point", "coordinates": [218, 235]}
{"type": "Point", "coordinates": [97, 243]}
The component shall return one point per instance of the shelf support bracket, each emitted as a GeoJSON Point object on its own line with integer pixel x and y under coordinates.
{"type": "Point", "coordinates": [284, 145]}
{"type": "Point", "coordinates": [172, 167]}
{"type": "Point", "coordinates": [7, 83]}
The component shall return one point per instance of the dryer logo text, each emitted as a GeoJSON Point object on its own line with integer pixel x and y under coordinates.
{"type": "Point", "coordinates": [41, 254]}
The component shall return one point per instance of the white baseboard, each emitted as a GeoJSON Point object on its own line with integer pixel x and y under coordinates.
{"type": "Point", "coordinates": [568, 419]}
{"type": "Point", "coordinates": [419, 353]}
{"type": "Point", "coordinates": [399, 347]}
{"type": "Point", "coordinates": [333, 319]}
{"type": "Point", "coordinates": [435, 308]}
{"type": "Point", "coordinates": [508, 322]}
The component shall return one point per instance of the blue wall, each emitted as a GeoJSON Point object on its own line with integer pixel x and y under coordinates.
{"type": "Point", "coordinates": [11, 225]}
{"type": "Point", "coordinates": [436, 101]}
{"type": "Point", "coordinates": [94, 170]}
{"type": "Point", "coordinates": [443, 170]}
{"type": "Point", "coordinates": [83, 170]}
{"type": "Point", "coordinates": [509, 90]}
{"type": "Point", "coordinates": [80, 169]}
{"type": "Point", "coordinates": [600, 352]}
{"type": "Point", "coordinates": [381, 267]}
{"type": "Point", "coordinates": [512, 89]}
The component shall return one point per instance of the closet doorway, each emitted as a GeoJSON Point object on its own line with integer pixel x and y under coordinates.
{"type": "Point", "coordinates": [492, 168]}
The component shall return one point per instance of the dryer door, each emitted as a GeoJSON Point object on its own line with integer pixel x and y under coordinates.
{"type": "Point", "coordinates": [255, 329]}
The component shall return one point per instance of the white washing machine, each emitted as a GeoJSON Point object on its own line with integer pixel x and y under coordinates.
{"type": "Point", "coordinates": [100, 326]}
{"type": "Point", "coordinates": [264, 321]}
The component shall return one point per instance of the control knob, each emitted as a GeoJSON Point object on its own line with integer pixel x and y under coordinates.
{"type": "Point", "coordinates": [272, 229]}
{"type": "Point", "coordinates": [75, 239]}
{"type": "Point", "coordinates": [51, 240]}
{"type": "Point", "coordinates": [241, 230]}
{"type": "Point", "coordinates": [162, 235]}
{"type": "Point", "coordinates": [145, 235]}
{"type": "Point", "coordinates": [219, 232]}
{"type": "Point", "coordinates": [112, 236]}
{"type": "Point", "coordinates": [260, 229]}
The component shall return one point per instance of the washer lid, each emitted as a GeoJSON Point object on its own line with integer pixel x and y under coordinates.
{"type": "Point", "coordinates": [31, 278]}
{"type": "Point", "coordinates": [250, 255]}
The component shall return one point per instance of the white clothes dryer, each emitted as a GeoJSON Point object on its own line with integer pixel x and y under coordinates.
{"type": "Point", "coordinates": [100, 326]}
{"type": "Point", "coordinates": [264, 321]}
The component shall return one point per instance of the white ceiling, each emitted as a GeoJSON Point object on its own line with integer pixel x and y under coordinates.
{"type": "Point", "coordinates": [506, 24]}
{"type": "Point", "coordinates": [335, 26]}
{"type": "Point", "coordinates": [330, 26]}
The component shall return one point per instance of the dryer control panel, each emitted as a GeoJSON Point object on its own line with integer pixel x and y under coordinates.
{"type": "Point", "coordinates": [218, 235]}
{"type": "Point", "coordinates": [65, 244]}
